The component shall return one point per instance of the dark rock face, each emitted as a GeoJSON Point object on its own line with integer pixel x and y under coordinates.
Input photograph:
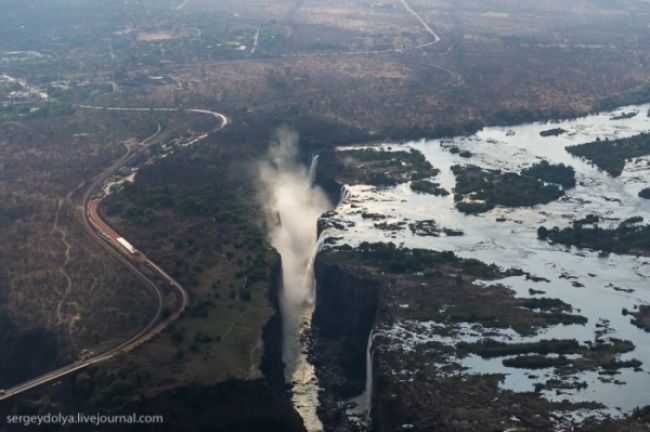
{"type": "Point", "coordinates": [272, 365]}
{"type": "Point", "coordinates": [236, 406]}
{"type": "Point", "coordinates": [331, 187]}
{"type": "Point", "coordinates": [345, 312]}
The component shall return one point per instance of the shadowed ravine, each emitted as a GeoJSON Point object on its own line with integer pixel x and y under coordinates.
{"type": "Point", "coordinates": [296, 205]}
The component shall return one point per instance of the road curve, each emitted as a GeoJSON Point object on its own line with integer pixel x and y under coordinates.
{"type": "Point", "coordinates": [427, 28]}
{"type": "Point", "coordinates": [106, 237]}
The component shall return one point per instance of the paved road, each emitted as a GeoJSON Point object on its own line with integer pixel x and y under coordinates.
{"type": "Point", "coordinates": [105, 236]}
{"type": "Point", "coordinates": [426, 26]}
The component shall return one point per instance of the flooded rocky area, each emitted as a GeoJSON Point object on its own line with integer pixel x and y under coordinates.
{"type": "Point", "coordinates": [481, 320]}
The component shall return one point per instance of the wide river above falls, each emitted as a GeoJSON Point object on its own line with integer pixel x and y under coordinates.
{"type": "Point", "coordinates": [598, 287]}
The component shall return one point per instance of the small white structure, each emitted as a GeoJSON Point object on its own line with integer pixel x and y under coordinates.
{"type": "Point", "coordinates": [128, 246]}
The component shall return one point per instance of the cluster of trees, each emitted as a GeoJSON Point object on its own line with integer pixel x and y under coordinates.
{"type": "Point", "coordinates": [545, 303]}
{"type": "Point", "coordinates": [402, 260]}
{"type": "Point", "coordinates": [628, 237]}
{"type": "Point", "coordinates": [488, 348]}
{"type": "Point", "coordinates": [536, 361]}
{"type": "Point", "coordinates": [376, 167]}
{"type": "Point", "coordinates": [645, 193]}
{"type": "Point", "coordinates": [610, 156]}
{"type": "Point", "coordinates": [561, 174]}
{"type": "Point", "coordinates": [139, 205]}
{"type": "Point", "coordinates": [552, 132]}
{"type": "Point", "coordinates": [641, 317]}
{"type": "Point", "coordinates": [487, 188]}
{"type": "Point", "coordinates": [428, 187]}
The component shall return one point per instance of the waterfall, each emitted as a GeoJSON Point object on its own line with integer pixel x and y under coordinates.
{"type": "Point", "coordinates": [312, 169]}
{"type": "Point", "coordinates": [369, 377]}
{"type": "Point", "coordinates": [311, 277]}
{"type": "Point", "coordinates": [344, 195]}
{"type": "Point", "coordinates": [298, 203]}
{"type": "Point", "coordinates": [361, 406]}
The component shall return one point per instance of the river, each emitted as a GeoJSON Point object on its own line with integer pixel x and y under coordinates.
{"type": "Point", "coordinates": [297, 204]}
{"type": "Point", "coordinates": [598, 287]}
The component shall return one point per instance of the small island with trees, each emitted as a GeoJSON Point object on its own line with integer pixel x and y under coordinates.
{"type": "Point", "coordinates": [611, 155]}
{"type": "Point", "coordinates": [375, 166]}
{"type": "Point", "coordinates": [552, 132]}
{"type": "Point", "coordinates": [645, 193]}
{"type": "Point", "coordinates": [480, 190]}
{"type": "Point", "coordinates": [630, 237]}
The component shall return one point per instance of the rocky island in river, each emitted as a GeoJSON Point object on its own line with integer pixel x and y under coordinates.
{"type": "Point", "coordinates": [482, 321]}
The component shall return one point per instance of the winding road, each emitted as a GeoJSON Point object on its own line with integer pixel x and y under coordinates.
{"type": "Point", "coordinates": [409, 9]}
{"type": "Point", "coordinates": [148, 272]}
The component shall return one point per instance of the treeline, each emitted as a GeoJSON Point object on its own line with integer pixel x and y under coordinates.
{"type": "Point", "coordinates": [402, 260]}
{"type": "Point", "coordinates": [479, 190]}
{"type": "Point", "coordinates": [645, 193]}
{"type": "Point", "coordinates": [200, 199]}
{"type": "Point", "coordinates": [561, 174]}
{"type": "Point", "coordinates": [610, 156]}
{"type": "Point", "coordinates": [374, 166]}
{"type": "Point", "coordinates": [628, 237]}
{"type": "Point", "coordinates": [428, 187]}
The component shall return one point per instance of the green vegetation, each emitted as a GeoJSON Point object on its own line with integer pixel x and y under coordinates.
{"type": "Point", "coordinates": [428, 187]}
{"type": "Point", "coordinates": [610, 156]}
{"type": "Point", "coordinates": [462, 153]}
{"type": "Point", "coordinates": [545, 303]}
{"type": "Point", "coordinates": [625, 115]}
{"type": "Point", "coordinates": [559, 174]}
{"type": "Point", "coordinates": [474, 207]}
{"type": "Point", "coordinates": [478, 190]}
{"type": "Point", "coordinates": [640, 317]}
{"type": "Point", "coordinates": [645, 193]}
{"type": "Point", "coordinates": [555, 317]}
{"type": "Point", "coordinates": [611, 345]}
{"type": "Point", "coordinates": [208, 230]}
{"type": "Point", "coordinates": [553, 310]}
{"type": "Point", "coordinates": [536, 355]}
{"type": "Point", "coordinates": [375, 166]}
{"type": "Point", "coordinates": [488, 348]}
{"type": "Point", "coordinates": [552, 132]}
{"type": "Point", "coordinates": [402, 260]}
{"type": "Point", "coordinates": [628, 237]}
{"type": "Point", "coordinates": [536, 362]}
{"type": "Point", "coordinates": [619, 364]}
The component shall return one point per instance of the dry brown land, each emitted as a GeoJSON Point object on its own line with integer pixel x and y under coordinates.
{"type": "Point", "coordinates": [339, 71]}
{"type": "Point", "coordinates": [55, 280]}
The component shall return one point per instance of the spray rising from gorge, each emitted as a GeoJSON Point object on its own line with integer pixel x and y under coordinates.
{"type": "Point", "coordinates": [296, 204]}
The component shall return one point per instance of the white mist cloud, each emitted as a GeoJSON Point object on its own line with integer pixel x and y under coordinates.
{"type": "Point", "coordinates": [298, 204]}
